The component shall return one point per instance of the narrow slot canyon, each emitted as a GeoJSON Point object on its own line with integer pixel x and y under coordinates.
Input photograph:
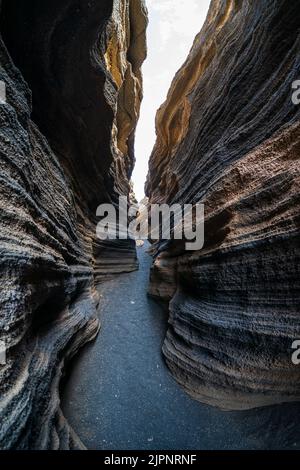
{"type": "Point", "coordinates": [112, 344]}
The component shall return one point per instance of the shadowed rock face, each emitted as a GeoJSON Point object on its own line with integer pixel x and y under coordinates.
{"type": "Point", "coordinates": [229, 136]}
{"type": "Point", "coordinates": [66, 146]}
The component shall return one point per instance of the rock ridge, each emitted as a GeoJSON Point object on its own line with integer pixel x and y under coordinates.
{"type": "Point", "coordinates": [228, 136]}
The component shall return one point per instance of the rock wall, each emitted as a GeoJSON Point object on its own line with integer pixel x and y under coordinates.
{"type": "Point", "coordinates": [228, 136]}
{"type": "Point", "coordinates": [74, 87]}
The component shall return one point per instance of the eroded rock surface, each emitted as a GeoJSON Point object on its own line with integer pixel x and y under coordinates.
{"type": "Point", "coordinates": [229, 136]}
{"type": "Point", "coordinates": [74, 87]}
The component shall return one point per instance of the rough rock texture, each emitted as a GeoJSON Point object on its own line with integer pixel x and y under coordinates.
{"type": "Point", "coordinates": [66, 146]}
{"type": "Point", "coordinates": [229, 136]}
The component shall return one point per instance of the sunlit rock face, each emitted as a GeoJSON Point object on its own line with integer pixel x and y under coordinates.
{"type": "Point", "coordinates": [229, 136]}
{"type": "Point", "coordinates": [72, 70]}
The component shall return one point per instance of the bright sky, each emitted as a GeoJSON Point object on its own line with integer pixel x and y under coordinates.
{"type": "Point", "coordinates": [173, 25]}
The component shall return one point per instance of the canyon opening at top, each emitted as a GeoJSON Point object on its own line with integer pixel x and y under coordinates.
{"type": "Point", "coordinates": [173, 25]}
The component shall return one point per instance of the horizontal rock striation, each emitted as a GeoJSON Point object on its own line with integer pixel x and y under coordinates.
{"type": "Point", "coordinates": [228, 136]}
{"type": "Point", "coordinates": [74, 87]}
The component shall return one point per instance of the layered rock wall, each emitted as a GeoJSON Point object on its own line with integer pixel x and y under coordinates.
{"type": "Point", "coordinates": [228, 136]}
{"type": "Point", "coordinates": [73, 81]}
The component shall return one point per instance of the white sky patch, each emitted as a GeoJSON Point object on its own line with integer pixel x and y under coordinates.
{"type": "Point", "coordinates": [173, 25]}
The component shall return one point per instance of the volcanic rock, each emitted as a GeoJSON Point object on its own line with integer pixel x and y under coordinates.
{"type": "Point", "coordinates": [74, 87]}
{"type": "Point", "coordinates": [228, 136]}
